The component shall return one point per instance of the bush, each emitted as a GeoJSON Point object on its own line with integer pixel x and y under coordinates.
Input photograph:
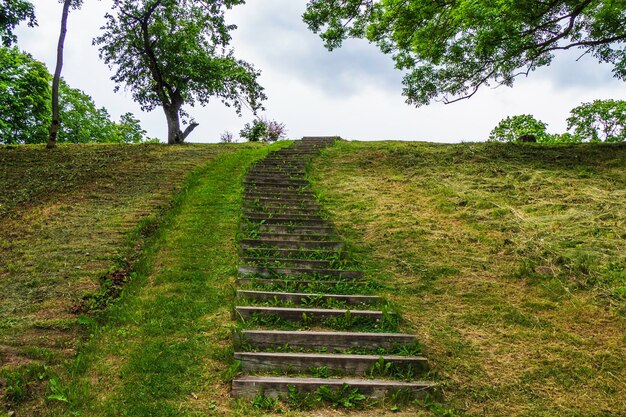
{"type": "Point", "coordinates": [263, 130]}
{"type": "Point", "coordinates": [599, 121]}
{"type": "Point", "coordinates": [514, 128]}
{"type": "Point", "coordinates": [227, 137]}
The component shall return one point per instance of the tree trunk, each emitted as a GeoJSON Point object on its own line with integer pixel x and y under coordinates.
{"type": "Point", "coordinates": [54, 126]}
{"type": "Point", "coordinates": [174, 134]}
{"type": "Point", "coordinates": [173, 125]}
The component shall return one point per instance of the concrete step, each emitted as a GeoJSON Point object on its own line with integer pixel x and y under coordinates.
{"type": "Point", "coordinates": [296, 314]}
{"type": "Point", "coordinates": [298, 229]}
{"type": "Point", "coordinates": [302, 284]}
{"type": "Point", "coordinates": [272, 262]}
{"type": "Point", "coordinates": [292, 236]}
{"type": "Point", "coordinates": [250, 386]}
{"type": "Point", "coordinates": [312, 273]}
{"type": "Point", "coordinates": [262, 339]}
{"type": "Point", "coordinates": [346, 364]}
{"type": "Point", "coordinates": [289, 244]}
{"type": "Point", "coordinates": [285, 220]}
{"type": "Point", "coordinates": [298, 298]}
{"type": "Point", "coordinates": [293, 253]}
{"type": "Point", "coordinates": [274, 181]}
{"type": "Point", "coordinates": [280, 211]}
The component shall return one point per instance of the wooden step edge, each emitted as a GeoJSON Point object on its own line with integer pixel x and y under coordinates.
{"type": "Point", "coordinates": [322, 339]}
{"type": "Point", "coordinates": [295, 313]}
{"type": "Point", "coordinates": [347, 364]}
{"type": "Point", "coordinates": [250, 386]}
{"type": "Point", "coordinates": [294, 296]}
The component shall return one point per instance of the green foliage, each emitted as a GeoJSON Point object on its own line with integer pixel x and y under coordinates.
{"type": "Point", "coordinates": [263, 130]}
{"type": "Point", "coordinates": [170, 53]}
{"type": "Point", "coordinates": [450, 49]}
{"type": "Point", "coordinates": [599, 121]}
{"type": "Point", "coordinates": [25, 108]}
{"type": "Point", "coordinates": [254, 132]}
{"type": "Point", "coordinates": [514, 127]}
{"type": "Point", "coordinates": [12, 12]}
{"type": "Point", "coordinates": [24, 98]}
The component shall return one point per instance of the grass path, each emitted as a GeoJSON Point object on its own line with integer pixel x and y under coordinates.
{"type": "Point", "coordinates": [166, 342]}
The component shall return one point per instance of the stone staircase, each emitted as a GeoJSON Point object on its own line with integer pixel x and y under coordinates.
{"type": "Point", "coordinates": [309, 317]}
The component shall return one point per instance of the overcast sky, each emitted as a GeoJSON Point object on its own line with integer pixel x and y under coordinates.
{"type": "Point", "coordinates": [353, 92]}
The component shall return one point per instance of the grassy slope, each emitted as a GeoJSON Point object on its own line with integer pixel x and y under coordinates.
{"type": "Point", "coordinates": [507, 261]}
{"type": "Point", "coordinates": [69, 217]}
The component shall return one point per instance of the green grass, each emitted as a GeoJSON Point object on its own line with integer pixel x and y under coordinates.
{"type": "Point", "coordinates": [506, 261]}
{"type": "Point", "coordinates": [74, 223]}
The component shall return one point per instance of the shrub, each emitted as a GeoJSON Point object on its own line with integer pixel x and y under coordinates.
{"type": "Point", "coordinates": [227, 137]}
{"type": "Point", "coordinates": [263, 130]}
{"type": "Point", "coordinates": [513, 128]}
{"type": "Point", "coordinates": [599, 121]}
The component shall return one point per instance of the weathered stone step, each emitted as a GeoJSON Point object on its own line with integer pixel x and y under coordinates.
{"type": "Point", "coordinates": [262, 339]}
{"type": "Point", "coordinates": [261, 175]}
{"type": "Point", "coordinates": [319, 273]}
{"type": "Point", "coordinates": [291, 217]}
{"type": "Point", "coordinates": [294, 297]}
{"type": "Point", "coordinates": [285, 220]}
{"type": "Point", "coordinates": [256, 198]}
{"type": "Point", "coordinates": [281, 228]}
{"type": "Point", "coordinates": [276, 189]}
{"type": "Point", "coordinates": [300, 284]}
{"type": "Point", "coordinates": [250, 386]}
{"type": "Point", "coordinates": [296, 313]}
{"type": "Point", "coordinates": [289, 244]}
{"type": "Point", "coordinates": [309, 205]}
{"type": "Point", "coordinates": [345, 363]}
{"type": "Point", "coordinates": [272, 262]}
{"type": "Point", "coordinates": [293, 236]}
{"type": "Point", "coordinates": [274, 181]}
{"type": "Point", "coordinates": [293, 253]}
{"type": "Point", "coordinates": [296, 211]}
{"type": "Point", "coordinates": [284, 195]}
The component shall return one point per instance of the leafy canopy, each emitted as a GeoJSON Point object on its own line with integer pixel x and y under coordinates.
{"type": "Point", "coordinates": [450, 49]}
{"type": "Point", "coordinates": [25, 108]}
{"type": "Point", "coordinates": [24, 98]}
{"type": "Point", "coordinates": [12, 12]}
{"type": "Point", "coordinates": [513, 128]}
{"type": "Point", "coordinates": [170, 52]}
{"type": "Point", "coordinates": [599, 121]}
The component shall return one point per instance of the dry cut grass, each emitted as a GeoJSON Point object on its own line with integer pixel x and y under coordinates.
{"type": "Point", "coordinates": [69, 218]}
{"type": "Point", "coordinates": [508, 262]}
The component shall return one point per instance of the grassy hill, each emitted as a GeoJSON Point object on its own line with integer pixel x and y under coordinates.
{"type": "Point", "coordinates": [508, 262]}
{"type": "Point", "coordinates": [73, 224]}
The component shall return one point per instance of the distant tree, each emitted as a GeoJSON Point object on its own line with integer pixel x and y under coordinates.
{"type": "Point", "coordinates": [599, 121]}
{"type": "Point", "coordinates": [129, 130]}
{"type": "Point", "coordinates": [12, 12]}
{"type": "Point", "coordinates": [519, 128]}
{"type": "Point", "coordinates": [227, 137]}
{"type": "Point", "coordinates": [24, 98]}
{"type": "Point", "coordinates": [56, 78]}
{"type": "Point", "coordinates": [80, 120]}
{"type": "Point", "coordinates": [263, 130]}
{"type": "Point", "coordinates": [450, 49]}
{"type": "Point", "coordinates": [173, 52]}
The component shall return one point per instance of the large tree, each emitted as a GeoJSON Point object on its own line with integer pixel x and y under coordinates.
{"type": "Point", "coordinates": [24, 97]}
{"type": "Point", "coordinates": [12, 12]}
{"type": "Point", "coordinates": [174, 52]}
{"type": "Point", "coordinates": [451, 48]}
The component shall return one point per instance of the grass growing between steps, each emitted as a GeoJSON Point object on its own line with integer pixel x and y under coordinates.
{"type": "Point", "coordinates": [72, 222]}
{"type": "Point", "coordinates": [164, 347]}
{"type": "Point", "coordinates": [507, 262]}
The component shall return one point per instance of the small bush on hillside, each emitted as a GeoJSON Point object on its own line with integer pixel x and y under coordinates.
{"type": "Point", "coordinates": [227, 137]}
{"type": "Point", "coordinates": [599, 121]}
{"type": "Point", "coordinates": [514, 128]}
{"type": "Point", "coordinates": [263, 130]}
